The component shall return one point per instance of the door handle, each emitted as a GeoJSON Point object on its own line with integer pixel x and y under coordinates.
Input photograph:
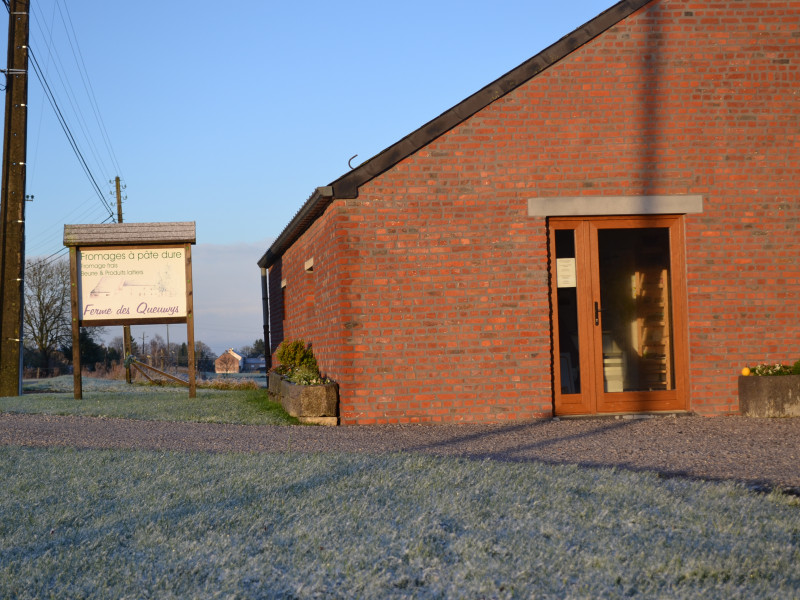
{"type": "Point", "coordinates": [597, 311]}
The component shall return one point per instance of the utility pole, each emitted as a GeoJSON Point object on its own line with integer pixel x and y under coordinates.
{"type": "Point", "coordinates": [126, 329]}
{"type": "Point", "coordinates": [12, 201]}
{"type": "Point", "coordinates": [119, 199]}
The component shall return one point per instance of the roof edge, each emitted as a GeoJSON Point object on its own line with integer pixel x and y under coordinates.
{"type": "Point", "coordinates": [310, 211]}
{"type": "Point", "coordinates": [347, 185]}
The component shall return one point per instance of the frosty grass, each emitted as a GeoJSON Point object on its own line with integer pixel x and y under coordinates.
{"type": "Point", "coordinates": [135, 524]}
{"type": "Point", "coordinates": [109, 398]}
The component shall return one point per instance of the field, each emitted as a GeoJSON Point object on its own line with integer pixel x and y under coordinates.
{"type": "Point", "coordinates": [117, 524]}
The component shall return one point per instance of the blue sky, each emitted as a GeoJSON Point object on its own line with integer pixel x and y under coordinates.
{"type": "Point", "coordinates": [230, 114]}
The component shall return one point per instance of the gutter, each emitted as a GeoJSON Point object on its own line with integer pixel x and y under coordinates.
{"type": "Point", "coordinates": [308, 213]}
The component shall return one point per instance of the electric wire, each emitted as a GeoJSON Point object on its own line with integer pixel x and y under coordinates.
{"type": "Point", "coordinates": [72, 102]}
{"type": "Point", "coordinates": [59, 253]}
{"type": "Point", "coordinates": [50, 235]}
{"type": "Point", "coordinates": [69, 92]}
{"type": "Point", "coordinates": [52, 100]}
{"type": "Point", "coordinates": [70, 137]}
{"type": "Point", "coordinates": [88, 86]}
{"type": "Point", "coordinates": [35, 145]}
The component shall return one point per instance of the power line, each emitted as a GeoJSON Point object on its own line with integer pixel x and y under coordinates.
{"type": "Point", "coordinates": [35, 145]}
{"type": "Point", "coordinates": [59, 253]}
{"type": "Point", "coordinates": [71, 96]}
{"type": "Point", "coordinates": [87, 84]}
{"type": "Point", "coordinates": [75, 105]}
{"type": "Point", "coordinates": [50, 235]}
{"type": "Point", "coordinates": [65, 127]}
{"type": "Point", "coordinates": [51, 97]}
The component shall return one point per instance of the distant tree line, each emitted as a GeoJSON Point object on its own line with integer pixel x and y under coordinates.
{"type": "Point", "coordinates": [257, 349]}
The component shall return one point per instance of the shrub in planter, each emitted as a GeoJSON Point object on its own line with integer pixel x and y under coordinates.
{"type": "Point", "coordinates": [304, 392]}
{"type": "Point", "coordinates": [770, 390]}
{"type": "Point", "coordinates": [296, 354]}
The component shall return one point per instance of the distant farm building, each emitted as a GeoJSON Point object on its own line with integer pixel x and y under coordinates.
{"type": "Point", "coordinates": [255, 364]}
{"type": "Point", "coordinates": [228, 362]}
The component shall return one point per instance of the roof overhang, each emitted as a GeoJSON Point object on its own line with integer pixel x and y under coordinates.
{"type": "Point", "coordinates": [311, 210]}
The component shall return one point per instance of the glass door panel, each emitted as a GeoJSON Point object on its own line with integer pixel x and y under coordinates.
{"type": "Point", "coordinates": [635, 309]}
{"type": "Point", "coordinates": [567, 298]}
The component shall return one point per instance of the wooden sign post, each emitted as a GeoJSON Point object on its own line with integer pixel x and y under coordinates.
{"type": "Point", "coordinates": [130, 274]}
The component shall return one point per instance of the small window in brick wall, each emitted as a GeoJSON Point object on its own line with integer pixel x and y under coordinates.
{"type": "Point", "coordinates": [309, 265]}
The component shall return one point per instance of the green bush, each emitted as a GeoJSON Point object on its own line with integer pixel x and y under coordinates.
{"type": "Point", "coordinates": [298, 362]}
{"type": "Point", "coordinates": [297, 354]}
{"type": "Point", "coordinates": [796, 368]}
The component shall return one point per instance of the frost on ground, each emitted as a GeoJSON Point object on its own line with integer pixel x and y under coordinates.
{"type": "Point", "coordinates": [114, 398]}
{"type": "Point", "coordinates": [117, 523]}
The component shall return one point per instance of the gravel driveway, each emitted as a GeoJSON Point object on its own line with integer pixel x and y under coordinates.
{"type": "Point", "coordinates": [762, 453]}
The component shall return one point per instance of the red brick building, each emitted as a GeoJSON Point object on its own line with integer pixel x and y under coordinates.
{"type": "Point", "coordinates": [610, 227]}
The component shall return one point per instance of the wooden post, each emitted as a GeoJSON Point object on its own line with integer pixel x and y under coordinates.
{"type": "Point", "coordinates": [77, 382]}
{"type": "Point", "coordinates": [12, 203]}
{"type": "Point", "coordinates": [190, 323]}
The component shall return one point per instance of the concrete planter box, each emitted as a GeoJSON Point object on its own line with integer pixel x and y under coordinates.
{"type": "Point", "coordinates": [777, 396]}
{"type": "Point", "coordinates": [275, 383]}
{"type": "Point", "coordinates": [313, 404]}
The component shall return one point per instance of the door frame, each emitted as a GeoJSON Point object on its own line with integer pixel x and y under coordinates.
{"type": "Point", "coordinates": [592, 398]}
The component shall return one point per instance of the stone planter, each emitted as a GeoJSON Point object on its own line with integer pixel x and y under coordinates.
{"type": "Point", "coordinates": [275, 383]}
{"type": "Point", "coordinates": [777, 396]}
{"type": "Point", "coordinates": [313, 404]}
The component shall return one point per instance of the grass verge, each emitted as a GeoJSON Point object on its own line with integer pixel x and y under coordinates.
{"type": "Point", "coordinates": [110, 398]}
{"type": "Point", "coordinates": [146, 524]}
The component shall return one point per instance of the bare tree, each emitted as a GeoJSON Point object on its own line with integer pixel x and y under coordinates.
{"type": "Point", "coordinates": [47, 306]}
{"type": "Point", "coordinates": [157, 350]}
{"type": "Point", "coordinates": [117, 344]}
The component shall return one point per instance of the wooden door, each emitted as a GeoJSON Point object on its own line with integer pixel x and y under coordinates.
{"type": "Point", "coordinates": [618, 299]}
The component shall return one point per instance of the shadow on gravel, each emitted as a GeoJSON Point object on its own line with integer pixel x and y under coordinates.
{"type": "Point", "coordinates": [528, 442]}
{"type": "Point", "coordinates": [476, 446]}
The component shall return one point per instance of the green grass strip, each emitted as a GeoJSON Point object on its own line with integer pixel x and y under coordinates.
{"type": "Point", "coordinates": [114, 524]}
{"type": "Point", "coordinates": [108, 398]}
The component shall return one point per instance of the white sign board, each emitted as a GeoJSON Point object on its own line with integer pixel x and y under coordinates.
{"type": "Point", "coordinates": [566, 275]}
{"type": "Point", "coordinates": [131, 283]}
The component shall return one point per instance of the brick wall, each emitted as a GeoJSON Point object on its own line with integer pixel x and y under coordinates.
{"type": "Point", "coordinates": [448, 306]}
{"type": "Point", "coordinates": [429, 297]}
{"type": "Point", "coordinates": [310, 305]}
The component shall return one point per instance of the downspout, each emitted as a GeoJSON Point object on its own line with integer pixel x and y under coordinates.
{"type": "Point", "coordinates": [265, 316]}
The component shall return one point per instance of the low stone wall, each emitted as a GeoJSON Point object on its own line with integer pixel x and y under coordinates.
{"type": "Point", "coordinates": [777, 396]}
{"type": "Point", "coordinates": [313, 404]}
